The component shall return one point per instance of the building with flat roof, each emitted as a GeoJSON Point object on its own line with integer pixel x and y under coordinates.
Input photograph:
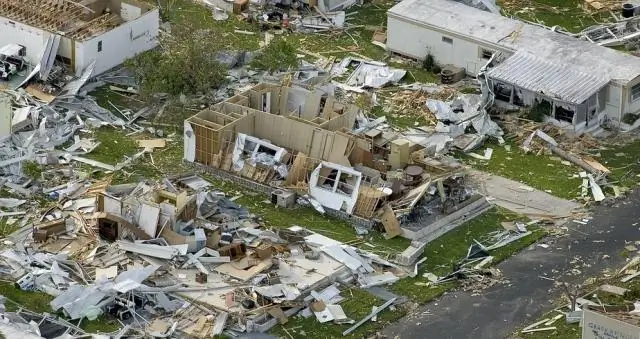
{"type": "Point", "coordinates": [79, 32]}
{"type": "Point", "coordinates": [584, 83]}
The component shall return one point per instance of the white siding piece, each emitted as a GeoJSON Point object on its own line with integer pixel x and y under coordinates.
{"type": "Point", "coordinates": [218, 324]}
{"type": "Point", "coordinates": [324, 316]}
{"type": "Point", "coordinates": [119, 44]}
{"type": "Point", "coordinates": [337, 313]}
{"type": "Point", "coordinates": [320, 240]}
{"type": "Point", "coordinates": [189, 143]}
{"type": "Point", "coordinates": [363, 261]}
{"type": "Point", "coordinates": [337, 253]}
{"type": "Point", "coordinates": [130, 12]}
{"type": "Point", "coordinates": [156, 251]}
{"type": "Point", "coordinates": [371, 280]}
{"type": "Point", "coordinates": [5, 115]}
{"type": "Point", "coordinates": [48, 55]}
{"type": "Point", "coordinates": [148, 220]}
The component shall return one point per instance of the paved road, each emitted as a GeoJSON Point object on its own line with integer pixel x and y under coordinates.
{"type": "Point", "coordinates": [502, 309]}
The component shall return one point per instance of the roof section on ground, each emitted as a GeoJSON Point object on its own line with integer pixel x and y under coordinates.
{"type": "Point", "coordinates": [519, 36]}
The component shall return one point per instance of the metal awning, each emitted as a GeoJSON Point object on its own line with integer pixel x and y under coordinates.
{"type": "Point", "coordinates": [557, 81]}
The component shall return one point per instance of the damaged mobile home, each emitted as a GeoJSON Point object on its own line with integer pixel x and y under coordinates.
{"type": "Point", "coordinates": [287, 140]}
{"type": "Point", "coordinates": [79, 32]}
{"type": "Point", "coordinates": [580, 84]}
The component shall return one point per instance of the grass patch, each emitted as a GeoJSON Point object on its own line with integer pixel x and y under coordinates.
{"type": "Point", "coordinates": [624, 163]}
{"type": "Point", "coordinates": [562, 331]}
{"type": "Point", "coordinates": [567, 14]}
{"type": "Point", "coordinates": [187, 12]}
{"type": "Point", "coordinates": [542, 172]}
{"type": "Point", "coordinates": [399, 119]}
{"type": "Point", "coordinates": [116, 147]}
{"type": "Point", "coordinates": [6, 229]}
{"type": "Point", "coordinates": [357, 305]}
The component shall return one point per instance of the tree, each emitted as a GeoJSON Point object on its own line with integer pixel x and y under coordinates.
{"type": "Point", "coordinates": [279, 55]}
{"type": "Point", "coordinates": [184, 64]}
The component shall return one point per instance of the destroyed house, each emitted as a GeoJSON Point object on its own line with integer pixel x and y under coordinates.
{"type": "Point", "coordinates": [580, 83]}
{"type": "Point", "coordinates": [288, 140]}
{"type": "Point", "coordinates": [79, 32]}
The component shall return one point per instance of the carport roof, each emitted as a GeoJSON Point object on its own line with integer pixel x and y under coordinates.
{"type": "Point", "coordinates": [558, 81]}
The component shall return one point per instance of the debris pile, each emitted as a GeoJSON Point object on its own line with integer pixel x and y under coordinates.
{"type": "Point", "coordinates": [180, 258]}
{"type": "Point", "coordinates": [473, 270]}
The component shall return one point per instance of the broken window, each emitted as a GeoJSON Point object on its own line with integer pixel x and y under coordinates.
{"type": "Point", "coordinates": [517, 97]}
{"type": "Point", "coordinates": [323, 102]}
{"type": "Point", "coordinates": [108, 229]}
{"type": "Point", "coordinates": [329, 180]}
{"type": "Point", "coordinates": [267, 150]}
{"type": "Point", "coordinates": [486, 54]}
{"type": "Point", "coordinates": [99, 46]}
{"type": "Point", "coordinates": [249, 147]}
{"type": "Point", "coordinates": [266, 102]}
{"type": "Point", "coordinates": [447, 40]}
{"type": "Point", "coordinates": [344, 185]}
{"type": "Point", "coordinates": [563, 114]}
{"type": "Point", "coordinates": [635, 92]}
{"type": "Point", "coordinates": [337, 181]}
{"type": "Point", "coordinates": [502, 92]}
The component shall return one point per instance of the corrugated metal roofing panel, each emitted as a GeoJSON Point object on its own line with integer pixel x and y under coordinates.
{"type": "Point", "coordinates": [558, 81]}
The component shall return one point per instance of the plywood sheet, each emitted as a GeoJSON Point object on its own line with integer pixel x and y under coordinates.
{"type": "Point", "coordinates": [148, 220]}
{"type": "Point", "coordinates": [152, 143]}
{"type": "Point", "coordinates": [244, 275]}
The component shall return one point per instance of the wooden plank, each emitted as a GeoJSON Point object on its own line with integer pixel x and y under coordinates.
{"type": "Point", "coordinates": [152, 143]}
{"type": "Point", "coordinates": [298, 170]}
{"type": "Point", "coordinates": [390, 223]}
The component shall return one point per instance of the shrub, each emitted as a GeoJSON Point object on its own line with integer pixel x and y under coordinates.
{"type": "Point", "coordinates": [185, 64]}
{"type": "Point", "coordinates": [279, 55]}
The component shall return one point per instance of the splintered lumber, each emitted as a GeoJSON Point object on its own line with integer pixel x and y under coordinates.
{"type": "Point", "coordinates": [573, 159]}
{"type": "Point", "coordinates": [390, 222]}
{"type": "Point", "coordinates": [298, 170]}
{"type": "Point", "coordinates": [553, 146]}
{"type": "Point", "coordinates": [368, 199]}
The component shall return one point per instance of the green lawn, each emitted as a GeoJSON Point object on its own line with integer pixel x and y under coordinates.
{"type": "Point", "coordinates": [568, 14]}
{"type": "Point", "coordinates": [543, 172]}
{"type": "Point", "coordinates": [623, 161]}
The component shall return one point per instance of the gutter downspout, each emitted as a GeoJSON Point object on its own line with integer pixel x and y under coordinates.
{"type": "Point", "coordinates": [484, 83]}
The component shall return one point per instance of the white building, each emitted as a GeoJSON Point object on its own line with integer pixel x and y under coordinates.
{"type": "Point", "coordinates": [107, 31]}
{"type": "Point", "coordinates": [583, 82]}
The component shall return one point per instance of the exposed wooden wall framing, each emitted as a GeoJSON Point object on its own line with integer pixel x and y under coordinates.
{"type": "Point", "coordinates": [67, 17]}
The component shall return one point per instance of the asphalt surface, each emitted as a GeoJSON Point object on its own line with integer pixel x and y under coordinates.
{"type": "Point", "coordinates": [584, 251]}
